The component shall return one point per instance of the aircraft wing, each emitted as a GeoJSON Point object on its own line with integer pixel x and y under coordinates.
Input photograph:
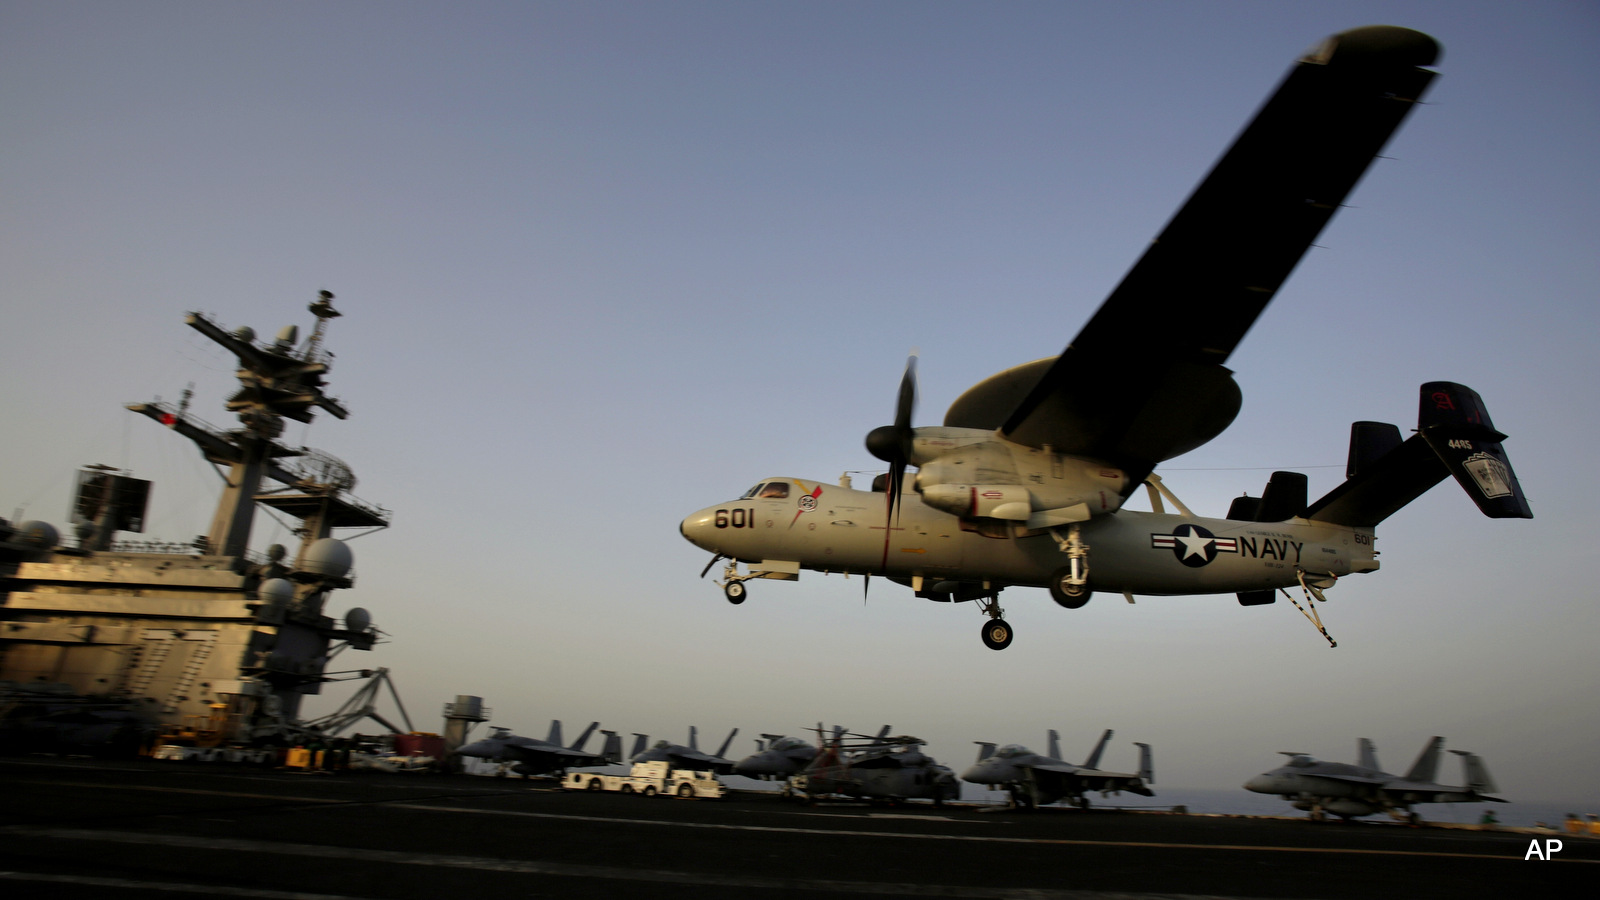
{"type": "Point", "coordinates": [1144, 381]}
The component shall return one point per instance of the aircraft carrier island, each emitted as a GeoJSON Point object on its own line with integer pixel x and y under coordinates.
{"type": "Point", "coordinates": [107, 644]}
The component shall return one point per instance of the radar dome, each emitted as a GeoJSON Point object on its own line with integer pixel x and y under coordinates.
{"type": "Point", "coordinates": [277, 591]}
{"type": "Point", "coordinates": [245, 333]}
{"type": "Point", "coordinates": [37, 534]}
{"type": "Point", "coordinates": [276, 553]}
{"type": "Point", "coordinates": [329, 557]}
{"type": "Point", "coordinates": [357, 620]}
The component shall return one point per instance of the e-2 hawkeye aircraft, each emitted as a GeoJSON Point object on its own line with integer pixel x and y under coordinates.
{"type": "Point", "coordinates": [1025, 482]}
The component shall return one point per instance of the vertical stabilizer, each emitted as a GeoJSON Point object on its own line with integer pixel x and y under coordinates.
{"type": "Point", "coordinates": [694, 739]}
{"type": "Point", "coordinates": [611, 751]}
{"type": "Point", "coordinates": [1369, 755]}
{"type": "Point", "coordinates": [584, 738]}
{"type": "Point", "coordinates": [1146, 769]}
{"type": "Point", "coordinates": [1093, 762]}
{"type": "Point", "coordinates": [1478, 777]}
{"type": "Point", "coordinates": [1055, 744]}
{"type": "Point", "coordinates": [640, 741]}
{"type": "Point", "coordinates": [985, 750]}
{"type": "Point", "coordinates": [1455, 423]}
{"type": "Point", "coordinates": [555, 733]}
{"type": "Point", "coordinates": [1426, 768]}
{"type": "Point", "coordinates": [723, 750]}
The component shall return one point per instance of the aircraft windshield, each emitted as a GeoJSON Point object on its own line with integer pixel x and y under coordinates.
{"type": "Point", "coordinates": [769, 490]}
{"type": "Point", "coordinates": [1302, 761]}
{"type": "Point", "coordinates": [1011, 750]}
{"type": "Point", "coordinates": [752, 492]}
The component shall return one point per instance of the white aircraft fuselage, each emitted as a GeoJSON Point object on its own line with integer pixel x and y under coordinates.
{"type": "Point", "coordinates": [827, 528]}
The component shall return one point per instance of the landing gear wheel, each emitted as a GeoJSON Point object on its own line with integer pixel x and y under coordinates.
{"type": "Point", "coordinates": [1072, 596]}
{"type": "Point", "coordinates": [735, 592]}
{"type": "Point", "coordinates": [996, 634]}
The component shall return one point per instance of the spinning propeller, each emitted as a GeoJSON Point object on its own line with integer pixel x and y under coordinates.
{"type": "Point", "coordinates": [892, 444]}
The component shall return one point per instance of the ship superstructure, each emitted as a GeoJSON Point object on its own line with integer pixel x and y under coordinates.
{"type": "Point", "coordinates": [204, 635]}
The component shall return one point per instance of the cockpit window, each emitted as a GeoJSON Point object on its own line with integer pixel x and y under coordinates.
{"type": "Point", "coordinates": [1011, 750]}
{"type": "Point", "coordinates": [1302, 761]}
{"type": "Point", "coordinates": [752, 492]}
{"type": "Point", "coordinates": [775, 490]}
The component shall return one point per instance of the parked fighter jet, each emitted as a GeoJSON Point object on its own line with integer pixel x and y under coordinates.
{"type": "Point", "coordinates": [682, 757]}
{"type": "Point", "coordinates": [780, 757]}
{"type": "Point", "coordinates": [1034, 780]}
{"type": "Point", "coordinates": [876, 768]}
{"type": "Point", "coordinates": [530, 756]}
{"type": "Point", "coordinates": [1025, 483]}
{"type": "Point", "coordinates": [1362, 789]}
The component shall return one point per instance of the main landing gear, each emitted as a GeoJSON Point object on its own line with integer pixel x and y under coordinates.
{"type": "Point", "coordinates": [997, 633]}
{"type": "Point", "coordinates": [1069, 585]}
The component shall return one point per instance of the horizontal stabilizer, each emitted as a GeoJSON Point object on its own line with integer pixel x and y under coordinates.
{"type": "Point", "coordinates": [1454, 436]}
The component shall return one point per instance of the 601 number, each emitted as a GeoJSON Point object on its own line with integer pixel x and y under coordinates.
{"type": "Point", "coordinates": [736, 518]}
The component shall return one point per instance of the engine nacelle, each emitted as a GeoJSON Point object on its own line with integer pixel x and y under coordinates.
{"type": "Point", "coordinates": [1011, 502]}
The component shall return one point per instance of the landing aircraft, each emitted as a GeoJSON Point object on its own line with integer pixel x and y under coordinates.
{"type": "Point", "coordinates": [1034, 779]}
{"type": "Point", "coordinates": [1024, 483]}
{"type": "Point", "coordinates": [532, 756]}
{"type": "Point", "coordinates": [1362, 789]}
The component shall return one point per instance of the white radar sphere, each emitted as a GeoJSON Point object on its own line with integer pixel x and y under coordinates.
{"type": "Point", "coordinates": [276, 590]}
{"type": "Point", "coordinates": [329, 557]}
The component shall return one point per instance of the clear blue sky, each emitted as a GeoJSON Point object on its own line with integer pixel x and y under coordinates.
{"type": "Point", "coordinates": [605, 263]}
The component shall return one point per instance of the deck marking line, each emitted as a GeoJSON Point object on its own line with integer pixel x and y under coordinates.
{"type": "Point", "coordinates": [570, 870]}
{"type": "Point", "coordinates": [979, 838]}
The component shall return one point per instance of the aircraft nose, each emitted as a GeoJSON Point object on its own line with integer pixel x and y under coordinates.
{"type": "Point", "coordinates": [978, 774]}
{"type": "Point", "coordinates": [1261, 784]}
{"type": "Point", "coordinates": [698, 528]}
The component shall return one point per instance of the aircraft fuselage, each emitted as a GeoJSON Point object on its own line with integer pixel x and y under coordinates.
{"type": "Point", "coordinates": [828, 528]}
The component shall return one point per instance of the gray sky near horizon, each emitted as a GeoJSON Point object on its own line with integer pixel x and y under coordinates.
{"type": "Point", "coordinates": [603, 264]}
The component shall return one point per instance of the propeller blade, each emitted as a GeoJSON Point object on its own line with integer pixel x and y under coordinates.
{"type": "Point", "coordinates": [893, 445]}
{"type": "Point", "coordinates": [710, 564]}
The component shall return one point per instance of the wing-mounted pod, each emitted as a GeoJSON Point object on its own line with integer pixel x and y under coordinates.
{"type": "Point", "coordinates": [1454, 437]}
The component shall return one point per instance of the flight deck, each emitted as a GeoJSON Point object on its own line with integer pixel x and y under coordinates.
{"type": "Point", "coordinates": [148, 828]}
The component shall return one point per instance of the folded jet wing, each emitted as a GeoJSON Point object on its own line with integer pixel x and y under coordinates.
{"type": "Point", "coordinates": [1144, 380]}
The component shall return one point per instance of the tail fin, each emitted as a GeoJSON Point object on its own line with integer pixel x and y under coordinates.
{"type": "Point", "coordinates": [555, 733]}
{"type": "Point", "coordinates": [1456, 425]}
{"type": "Point", "coordinates": [1146, 770]}
{"type": "Point", "coordinates": [1093, 762]}
{"type": "Point", "coordinates": [1454, 436]}
{"type": "Point", "coordinates": [1478, 777]}
{"type": "Point", "coordinates": [985, 750]}
{"type": "Point", "coordinates": [1369, 755]}
{"type": "Point", "coordinates": [1426, 768]}
{"type": "Point", "coordinates": [584, 738]}
{"type": "Point", "coordinates": [611, 750]}
{"type": "Point", "coordinates": [723, 750]}
{"type": "Point", "coordinates": [1055, 744]}
{"type": "Point", "coordinates": [640, 741]}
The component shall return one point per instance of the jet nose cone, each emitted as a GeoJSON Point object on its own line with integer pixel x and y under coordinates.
{"type": "Point", "coordinates": [978, 774]}
{"type": "Point", "coordinates": [1261, 784]}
